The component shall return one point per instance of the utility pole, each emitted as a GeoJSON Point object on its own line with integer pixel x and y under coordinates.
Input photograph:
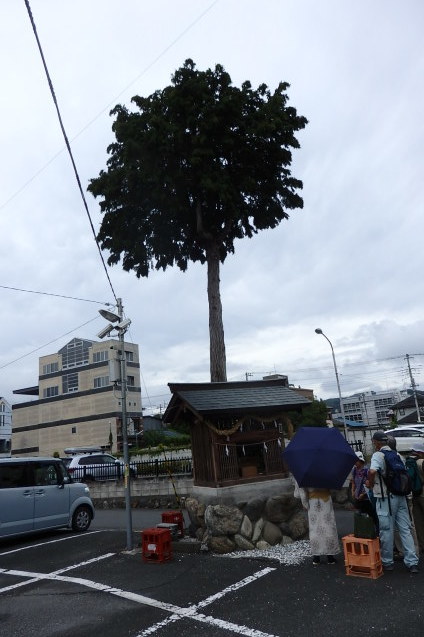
{"type": "Point", "coordinates": [127, 476]}
{"type": "Point", "coordinates": [365, 408]}
{"type": "Point", "coordinates": [121, 326]}
{"type": "Point", "coordinates": [248, 374]}
{"type": "Point", "coordinates": [414, 388]}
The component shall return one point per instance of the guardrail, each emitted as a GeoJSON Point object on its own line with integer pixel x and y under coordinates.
{"type": "Point", "coordinates": [139, 469]}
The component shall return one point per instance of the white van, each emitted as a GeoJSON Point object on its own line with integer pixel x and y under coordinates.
{"type": "Point", "coordinates": [37, 494]}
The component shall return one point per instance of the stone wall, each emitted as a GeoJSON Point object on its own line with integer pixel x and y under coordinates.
{"type": "Point", "coordinates": [258, 523]}
{"type": "Point", "coordinates": [219, 521]}
{"type": "Point", "coordinates": [158, 493]}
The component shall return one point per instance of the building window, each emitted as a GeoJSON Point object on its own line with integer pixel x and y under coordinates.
{"type": "Point", "coordinates": [382, 416]}
{"type": "Point", "coordinates": [99, 357]}
{"type": "Point", "coordinates": [49, 392]}
{"type": "Point", "coordinates": [383, 402]}
{"type": "Point", "coordinates": [356, 417]}
{"type": "Point", "coordinates": [351, 406]}
{"type": "Point", "coordinates": [75, 353]}
{"type": "Point", "coordinates": [130, 381]}
{"type": "Point", "coordinates": [4, 445]}
{"type": "Point", "coordinates": [101, 381]}
{"type": "Point", "coordinates": [70, 383]}
{"type": "Point", "coordinates": [74, 430]}
{"type": "Point", "coordinates": [50, 368]}
{"type": "Point", "coordinates": [129, 356]}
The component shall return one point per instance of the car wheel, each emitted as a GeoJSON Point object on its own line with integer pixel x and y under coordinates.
{"type": "Point", "coordinates": [81, 518]}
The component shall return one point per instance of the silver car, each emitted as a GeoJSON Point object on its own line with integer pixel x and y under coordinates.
{"type": "Point", "coordinates": [37, 494]}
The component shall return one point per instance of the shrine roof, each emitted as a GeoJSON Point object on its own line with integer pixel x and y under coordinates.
{"type": "Point", "coordinates": [265, 396]}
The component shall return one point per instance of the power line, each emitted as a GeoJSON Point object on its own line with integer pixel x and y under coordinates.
{"type": "Point", "coordinates": [301, 370]}
{"type": "Point", "coordinates": [62, 296]}
{"type": "Point", "coordinates": [49, 343]}
{"type": "Point", "coordinates": [68, 145]}
{"type": "Point", "coordinates": [311, 370]}
{"type": "Point", "coordinates": [156, 395]}
{"type": "Point", "coordinates": [113, 101]}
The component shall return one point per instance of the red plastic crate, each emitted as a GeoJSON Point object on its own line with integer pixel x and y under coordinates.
{"type": "Point", "coordinates": [362, 557]}
{"type": "Point", "coordinates": [174, 517]}
{"type": "Point", "coordinates": [156, 545]}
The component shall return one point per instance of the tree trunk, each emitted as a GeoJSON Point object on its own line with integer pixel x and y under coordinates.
{"type": "Point", "coordinates": [218, 362]}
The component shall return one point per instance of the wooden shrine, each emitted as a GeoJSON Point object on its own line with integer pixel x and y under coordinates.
{"type": "Point", "coordinates": [237, 428]}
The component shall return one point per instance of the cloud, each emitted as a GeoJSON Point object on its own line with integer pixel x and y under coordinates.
{"type": "Point", "coordinates": [350, 262]}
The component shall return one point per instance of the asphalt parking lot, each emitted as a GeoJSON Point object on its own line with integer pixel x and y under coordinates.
{"type": "Point", "coordinates": [63, 584]}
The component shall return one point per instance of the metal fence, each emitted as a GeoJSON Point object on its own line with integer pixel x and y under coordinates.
{"type": "Point", "coordinates": [138, 469]}
{"type": "Point", "coordinates": [357, 445]}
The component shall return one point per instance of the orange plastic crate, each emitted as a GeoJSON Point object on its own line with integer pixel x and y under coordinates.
{"type": "Point", "coordinates": [362, 557]}
{"type": "Point", "coordinates": [364, 571]}
{"type": "Point", "coordinates": [156, 545]}
{"type": "Point", "coordinates": [174, 517]}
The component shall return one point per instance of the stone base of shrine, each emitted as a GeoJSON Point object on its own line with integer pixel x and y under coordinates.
{"type": "Point", "coordinates": [242, 492]}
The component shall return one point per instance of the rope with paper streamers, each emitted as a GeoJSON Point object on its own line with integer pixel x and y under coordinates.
{"type": "Point", "coordinates": [248, 444]}
{"type": "Point", "coordinates": [239, 424]}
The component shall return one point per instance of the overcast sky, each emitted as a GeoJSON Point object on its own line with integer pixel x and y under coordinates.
{"type": "Point", "coordinates": [350, 262]}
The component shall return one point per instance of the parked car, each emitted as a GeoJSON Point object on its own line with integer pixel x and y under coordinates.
{"type": "Point", "coordinates": [406, 436]}
{"type": "Point", "coordinates": [97, 466]}
{"type": "Point", "coordinates": [66, 461]}
{"type": "Point", "coordinates": [37, 494]}
{"type": "Point", "coordinates": [411, 425]}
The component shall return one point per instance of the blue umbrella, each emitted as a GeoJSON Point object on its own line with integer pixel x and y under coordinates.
{"type": "Point", "coordinates": [319, 457]}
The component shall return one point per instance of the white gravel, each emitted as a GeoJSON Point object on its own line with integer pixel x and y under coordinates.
{"type": "Point", "coordinates": [289, 554]}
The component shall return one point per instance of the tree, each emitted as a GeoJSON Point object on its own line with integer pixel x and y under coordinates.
{"type": "Point", "coordinates": [314, 415]}
{"type": "Point", "coordinates": [200, 164]}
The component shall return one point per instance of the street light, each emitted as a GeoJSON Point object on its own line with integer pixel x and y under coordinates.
{"type": "Point", "coordinates": [121, 327]}
{"type": "Point", "coordinates": [319, 331]}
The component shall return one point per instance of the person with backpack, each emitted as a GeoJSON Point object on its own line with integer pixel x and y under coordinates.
{"type": "Point", "coordinates": [398, 552]}
{"type": "Point", "coordinates": [359, 493]}
{"type": "Point", "coordinates": [390, 483]}
{"type": "Point", "coordinates": [414, 464]}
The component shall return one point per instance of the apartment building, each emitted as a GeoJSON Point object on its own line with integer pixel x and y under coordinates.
{"type": "Point", "coordinates": [5, 427]}
{"type": "Point", "coordinates": [76, 402]}
{"type": "Point", "coordinates": [371, 408]}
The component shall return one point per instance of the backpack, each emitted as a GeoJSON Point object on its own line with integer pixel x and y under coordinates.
{"type": "Point", "coordinates": [416, 482]}
{"type": "Point", "coordinates": [397, 478]}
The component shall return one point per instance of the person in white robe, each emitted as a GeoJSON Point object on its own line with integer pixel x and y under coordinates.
{"type": "Point", "coordinates": [323, 534]}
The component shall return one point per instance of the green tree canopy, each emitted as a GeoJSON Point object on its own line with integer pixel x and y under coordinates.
{"type": "Point", "coordinates": [198, 165]}
{"type": "Point", "coordinates": [314, 415]}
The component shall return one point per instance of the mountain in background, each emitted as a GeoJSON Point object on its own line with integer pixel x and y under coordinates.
{"type": "Point", "coordinates": [333, 403]}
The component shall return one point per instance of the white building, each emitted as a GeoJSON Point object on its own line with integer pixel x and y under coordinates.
{"type": "Point", "coordinates": [371, 408]}
{"type": "Point", "coordinates": [5, 427]}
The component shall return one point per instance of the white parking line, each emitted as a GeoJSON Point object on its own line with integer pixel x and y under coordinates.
{"type": "Point", "coordinates": [192, 614]}
{"type": "Point", "coordinates": [62, 570]}
{"type": "Point", "coordinates": [34, 546]}
{"type": "Point", "coordinates": [176, 611]}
